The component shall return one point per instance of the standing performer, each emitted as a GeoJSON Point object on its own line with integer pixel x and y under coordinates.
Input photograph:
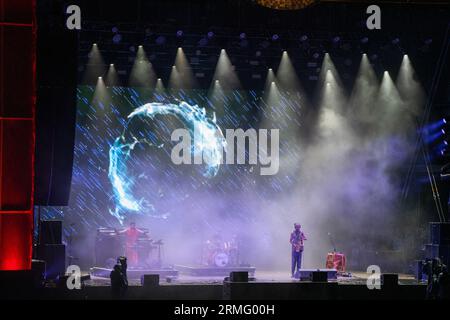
{"type": "Point", "coordinates": [296, 240]}
{"type": "Point", "coordinates": [132, 234]}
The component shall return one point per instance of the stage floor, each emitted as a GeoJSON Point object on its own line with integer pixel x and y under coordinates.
{"type": "Point", "coordinates": [356, 278]}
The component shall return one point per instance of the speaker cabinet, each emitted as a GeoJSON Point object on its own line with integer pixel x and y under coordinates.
{"type": "Point", "coordinates": [319, 276]}
{"type": "Point", "coordinates": [51, 232]}
{"type": "Point", "coordinates": [239, 276]}
{"type": "Point", "coordinates": [440, 233]}
{"type": "Point", "coordinates": [389, 279]}
{"type": "Point", "coordinates": [438, 251]}
{"type": "Point", "coordinates": [150, 280]}
{"type": "Point", "coordinates": [54, 256]}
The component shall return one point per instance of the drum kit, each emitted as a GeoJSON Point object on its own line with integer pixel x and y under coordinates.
{"type": "Point", "coordinates": [111, 243]}
{"type": "Point", "coordinates": [221, 254]}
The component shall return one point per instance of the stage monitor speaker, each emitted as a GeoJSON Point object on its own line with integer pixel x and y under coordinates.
{"type": "Point", "coordinates": [389, 279]}
{"type": "Point", "coordinates": [319, 276]}
{"type": "Point", "coordinates": [51, 232]}
{"type": "Point", "coordinates": [150, 280]}
{"type": "Point", "coordinates": [54, 256]}
{"type": "Point", "coordinates": [56, 76]}
{"type": "Point", "coordinates": [239, 276]}
{"type": "Point", "coordinates": [440, 233]}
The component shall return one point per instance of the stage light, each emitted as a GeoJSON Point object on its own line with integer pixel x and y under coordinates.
{"type": "Point", "coordinates": [111, 65]}
{"type": "Point", "coordinates": [316, 55]}
{"type": "Point", "coordinates": [182, 76]}
{"type": "Point", "coordinates": [160, 40]}
{"type": "Point", "coordinates": [395, 41]}
{"type": "Point", "coordinates": [442, 131]}
{"type": "Point", "coordinates": [117, 38]}
{"type": "Point", "coordinates": [179, 33]}
{"type": "Point", "coordinates": [364, 40]}
{"type": "Point", "coordinates": [336, 39]}
{"type": "Point", "coordinates": [94, 44]}
{"type": "Point", "coordinates": [444, 120]}
{"type": "Point", "coordinates": [100, 78]}
{"type": "Point", "coordinates": [210, 34]}
{"type": "Point", "coordinates": [303, 38]}
{"type": "Point", "coordinates": [203, 42]}
{"type": "Point", "coordinates": [225, 72]}
{"type": "Point", "coordinates": [142, 73]}
{"type": "Point", "coordinates": [275, 37]}
{"type": "Point", "coordinates": [242, 35]}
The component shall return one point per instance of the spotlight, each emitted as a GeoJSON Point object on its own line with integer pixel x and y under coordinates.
{"type": "Point", "coordinates": [100, 78]}
{"type": "Point", "coordinates": [203, 42]}
{"type": "Point", "coordinates": [111, 65]}
{"type": "Point", "coordinates": [273, 82]}
{"type": "Point", "coordinates": [444, 120]}
{"type": "Point", "coordinates": [336, 39]}
{"type": "Point", "coordinates": [365, 40]}
{"type": "Point", "coordinates": [140, 47]}
{"type": "Point", "coordinates": [275, 37]}
{"type": "Point", "coordinates": [159, 79]}
{"type": "Point", "coordinates": [242, 36]}
{"type": "Point", "coordinates": [303, 38]}
{"type": "Point", "coordinates": [270, 69]}
{"type": "Point", "coordinates": [117, 38]}
{"type": "Point", "coordinates": [115, 29]}
{"type": "Point", "coordinates": [445, 142]}
{"type": "Point", "coordinates": [443, 131]}
{"type": "Point", "coordinates": [396, 41]}
{"type": "Point", "coordinates": [210, 34]}
{"type": "Point", "coordinates": [94, 44]}
{"type": "Point", "coordinates": [160, 40]}
{"type": "Point", "coordinates": [316, 55]}
{"type": "Point", "coordinates": [180, 33]}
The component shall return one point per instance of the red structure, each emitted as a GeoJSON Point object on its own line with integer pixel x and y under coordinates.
{"type": "Point", "coordinates": [17, 131]}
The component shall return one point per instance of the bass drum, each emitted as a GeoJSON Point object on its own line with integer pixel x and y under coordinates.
{"type": "Point", "coordinates": [221, 259]}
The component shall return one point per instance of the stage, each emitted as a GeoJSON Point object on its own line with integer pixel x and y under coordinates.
{"type": "Point", "coordinates": [265, 285]}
